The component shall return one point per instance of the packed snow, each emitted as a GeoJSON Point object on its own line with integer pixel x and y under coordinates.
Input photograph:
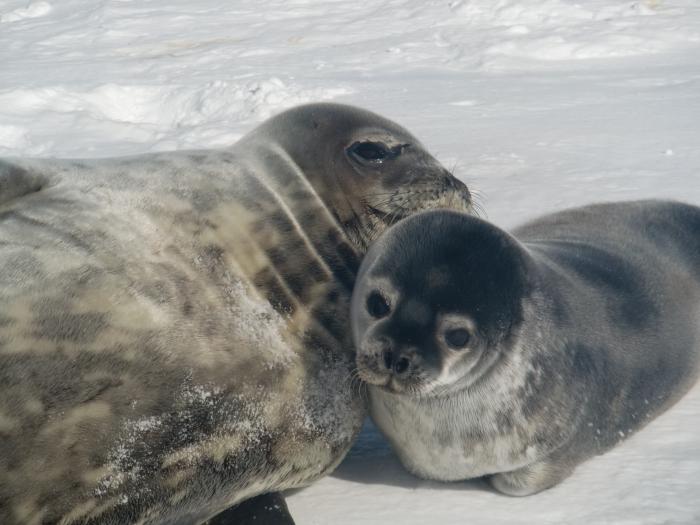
{"type": "Point", "coordinates": [536, 104]}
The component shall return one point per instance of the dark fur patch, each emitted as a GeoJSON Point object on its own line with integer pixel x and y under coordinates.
{"type": "Point", "coordinates": [488, 275]}
{"type": "Point", "coordinates": [212, 258]}
{"type": "Point", "coordinates": [675, 228]}
{"type": "Point", "coordinates": [16, 182]}
{"type": "Point", "coordinates": [266, 281]}
{"type": "Point", "coordinates": [64, 326]}
{"type": "Point", "coordinates": [21, 267]}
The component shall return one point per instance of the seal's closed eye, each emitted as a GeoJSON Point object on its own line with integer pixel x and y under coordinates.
{"type": "Point", "coordinates": [374, 152]}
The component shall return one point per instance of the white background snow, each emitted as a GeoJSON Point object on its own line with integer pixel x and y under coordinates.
{"type": "Point", "coordinates": [537, 105]}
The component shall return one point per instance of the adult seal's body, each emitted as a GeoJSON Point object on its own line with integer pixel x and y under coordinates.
{"type": "Point", "coordinates": [173, 333]}
{"type": "Point", "coordinates": [518, 357]}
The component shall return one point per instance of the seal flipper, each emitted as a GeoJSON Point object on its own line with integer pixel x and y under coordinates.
{"type": "Point", "coordinates": [266, 509]}
{"type": "Point", "coordinates": [16, 181]}
{"type": "Point", "coordinates": [533, 478]}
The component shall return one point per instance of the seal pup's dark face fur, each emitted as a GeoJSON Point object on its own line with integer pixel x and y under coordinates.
{"type": "Point", "coordinates": [438, 297]}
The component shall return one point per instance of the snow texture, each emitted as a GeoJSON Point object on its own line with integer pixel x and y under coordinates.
{"type": "Point", "coordinates": [536, 104]}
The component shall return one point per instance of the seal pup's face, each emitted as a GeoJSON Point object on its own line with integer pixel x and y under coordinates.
{"type": "Point", "coordinates": [436, 302]}
{"type": "Point", "coordinates": [369, 171]}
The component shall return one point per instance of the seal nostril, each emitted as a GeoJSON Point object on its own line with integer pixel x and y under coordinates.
{"type": "Point", "coordinates": [401, 365]}
{"type": "Point", "coordinates": [388, 359]}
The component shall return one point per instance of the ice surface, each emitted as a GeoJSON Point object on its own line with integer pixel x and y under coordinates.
{"type": "Point", "coordinates": [536, 104]}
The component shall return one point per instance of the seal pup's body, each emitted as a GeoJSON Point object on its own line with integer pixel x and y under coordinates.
{"type": "Point", "coordinates": [518, 357]}
{"type": "Point", "coordinates": [171, 325]}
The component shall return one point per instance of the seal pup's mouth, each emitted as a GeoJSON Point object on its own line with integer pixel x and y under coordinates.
{"type": "Point", "coordinates": [387, 382]}
{"type": "Point", "coordinates": [373, 378]}
{"type": "Point", "coordinates": [394, 386]}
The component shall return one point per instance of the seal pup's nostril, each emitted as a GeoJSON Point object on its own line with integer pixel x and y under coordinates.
{"type": "Point", "coordinates": [401, 365]}
{"type": "Point", "coordinates": [388, 357]}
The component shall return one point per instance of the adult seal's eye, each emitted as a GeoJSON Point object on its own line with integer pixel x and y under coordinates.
{"type": "Point", "coordinates": [377, 306]}
{"type": "Point", "coordinates": [457, 338]}
{"type": "Point", "coordinates": [374, 152]}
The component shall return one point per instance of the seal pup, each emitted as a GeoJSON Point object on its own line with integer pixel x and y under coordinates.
{"type": "Point", "coordinates": [519, 356]}
{"type": "Point", "coordinates": [173, 326]}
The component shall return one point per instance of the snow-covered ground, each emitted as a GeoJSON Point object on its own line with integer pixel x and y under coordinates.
{"type": "Point", "coordinates": [537, 105]}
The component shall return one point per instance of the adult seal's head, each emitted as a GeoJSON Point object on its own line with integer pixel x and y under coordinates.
{"type": "Point", "coordinates": [433, 301]}
{"type": "Point", "coordinates": [369, 171]}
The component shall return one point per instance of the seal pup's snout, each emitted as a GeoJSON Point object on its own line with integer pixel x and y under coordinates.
{"type": "Point", "coordinates": [384, 363]}
{"type": "Point", "coordinates": [395, 362]}
{"type": "Point", "coordinates": [375, 360]}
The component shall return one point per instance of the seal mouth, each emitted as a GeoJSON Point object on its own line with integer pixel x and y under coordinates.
{"type": "Point", "coordinates": [374, 378]}
{"type": "Point", "coordinates": [455, 197]}
{"type": "Point", "coordinates": [396, 387]}
{"type": "Point", "coordinates": [392, 386]}
{"type": "Point", "coordinates": [387, 217]}
{"type": "Point", "coordinates": [386, 382]}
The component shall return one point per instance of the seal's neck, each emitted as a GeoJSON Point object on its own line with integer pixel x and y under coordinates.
{"type": "Point", "coordinates": [285, 238]}
{"type": "Point", "coordinates": [310, 201]}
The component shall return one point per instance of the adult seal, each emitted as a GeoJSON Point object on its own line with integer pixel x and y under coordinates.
{"type": "Point", "coordinates": [173, 334]}
{"type": "Point", "coordinates": [517, 357]}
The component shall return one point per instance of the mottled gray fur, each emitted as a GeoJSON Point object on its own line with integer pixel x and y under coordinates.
{"type": "Point", "coordinates": [172, 326]}
{"type": "Point", "coordinates": [583, 326]}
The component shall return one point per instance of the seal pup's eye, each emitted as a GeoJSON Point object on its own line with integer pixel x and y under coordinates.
{"type": "Point", "coordinates": [457, 338]}
{"type": "Point", "coordinates": [374, 152]}
{"type": "Point", "coordinates": [377, 306]}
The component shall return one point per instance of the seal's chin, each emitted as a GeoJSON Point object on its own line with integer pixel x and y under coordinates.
{"type": "Point", "coordinates": [392, 386]}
